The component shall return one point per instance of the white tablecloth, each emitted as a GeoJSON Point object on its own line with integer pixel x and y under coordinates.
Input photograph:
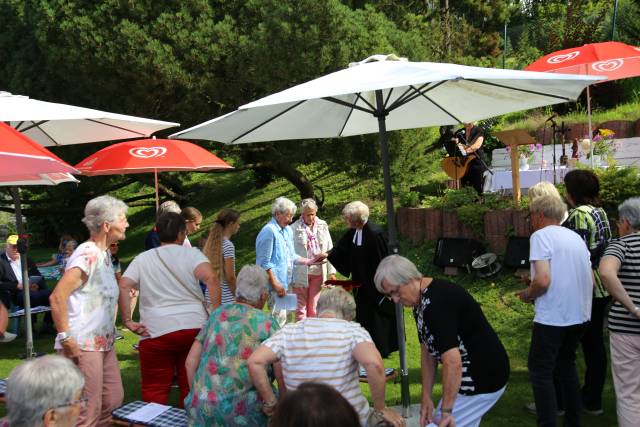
{"type": "Point", "coordinates": [502, 180]}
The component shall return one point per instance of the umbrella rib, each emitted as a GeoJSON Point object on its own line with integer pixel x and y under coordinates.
{"type": "Point", "coordinates": [406, 98]}
{"type": "Point", "coordinates": [440, 107]}
{"type": "Point", "coordinates": [266, 121]}
{"type": "Point", "coordinates": [116, 127]}
{"type": "Point", "coordinates": [351, 105]}
{"type": "Point", "coordinates": [519, 90]}
{"type": "Point", "coordinates": [33, 125]}
{"type": "Point", "coordinates": [388, 96]}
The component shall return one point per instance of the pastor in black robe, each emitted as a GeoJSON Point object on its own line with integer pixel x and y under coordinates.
{"type": "Point", "coordinates": [373, 311]}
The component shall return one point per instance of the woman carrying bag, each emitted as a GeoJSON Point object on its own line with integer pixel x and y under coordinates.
{"type": "Point", "coordinates": [172, 307]}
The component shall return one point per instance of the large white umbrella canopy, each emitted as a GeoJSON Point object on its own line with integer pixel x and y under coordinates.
{"type": "Point", "coordinates": [50, 123]}
{"type": "Point", "coordinates": [383, 93]}
{"type": "Point", "coordinates": [415, 94]}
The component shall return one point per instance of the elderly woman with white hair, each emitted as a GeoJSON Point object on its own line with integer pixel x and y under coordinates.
{"type": "Point", "coordinates": [454, 332]}
{"type": "Point", "coordinates": [276, 254]}
{"type": "Point", "coordinates": [310, 237]}
{"type": "Point", "coordinates": [325, 349]}
{"type": "Point", "coordinates": [620, 273]}
{"type": "Point", "coordinates": [221, 391]}
{"type": "Point", "coordinates": [44, 392]}
{"type": "Point", "coordinates": [357, 254]}
{"type": "Point", "coordinates": [83, 305]}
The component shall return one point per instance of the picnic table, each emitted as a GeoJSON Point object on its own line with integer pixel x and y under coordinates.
{"type": "Point", "coordinates": [173, 417]}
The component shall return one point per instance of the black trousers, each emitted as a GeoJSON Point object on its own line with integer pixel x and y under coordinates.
{"type": "Point", "coordinates": [595, 358]}
{"type": "Point", "coordinates": [553, 351]}
{"type": "Point", "coordinates": [474, 176]}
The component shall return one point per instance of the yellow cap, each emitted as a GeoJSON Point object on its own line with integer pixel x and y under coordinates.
{"type": "Point", "coordinates": [12, 239]}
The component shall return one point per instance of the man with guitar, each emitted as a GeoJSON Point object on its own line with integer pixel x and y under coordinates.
{"type": "Point", "coordinates": [469, 141]}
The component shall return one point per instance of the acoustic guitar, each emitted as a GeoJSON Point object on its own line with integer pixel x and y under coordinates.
{"type": "Point", "coordinates": [456, 166]}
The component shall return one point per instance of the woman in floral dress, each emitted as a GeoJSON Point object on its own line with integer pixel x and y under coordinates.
{"type": "Point", "coordinates": [221, 391]}
{"type": "Point", "coordinates": [83, 305]}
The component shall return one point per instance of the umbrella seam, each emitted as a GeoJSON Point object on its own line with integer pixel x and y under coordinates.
{"type": "Point", "coordinates": [116, 127]}
{"type": "Point", "coordinates": [267, 121]}
{"type": "Point", "coordinates": [520, 90]}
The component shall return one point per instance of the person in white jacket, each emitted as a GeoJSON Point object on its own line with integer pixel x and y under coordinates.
{"type": "Point", "coordinates": [310, 237]}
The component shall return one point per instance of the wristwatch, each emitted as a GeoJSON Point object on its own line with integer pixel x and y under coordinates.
{"type": "Point", "coordinates": [63, 336]}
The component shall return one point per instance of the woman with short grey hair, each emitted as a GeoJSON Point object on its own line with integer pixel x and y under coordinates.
{"type": "Point", "coordinates": [340, 304]}
{"type": "Point", "coordinates": [283, 205]}
{"type": "Point", "coordinates": [357, 254]}
{"type": "Point", "coordinates": [452, 331]}
{"type": "Point", "coordinates": [216, 364]}
{"type": "Point", "coordinates": [310, 237]}
{"type": "Point", "coordinates": [620, 273]}
{"type": "Point", "coordinates": [276, 254]}
{"type": "Point", "coordinates": [327, 349]}
{"type": "Point", "coordinates": [356, 212]}
{"type": "Point", "coordinates": [45, 391]}
{"type": "Point", "coordinates": [83, 305]}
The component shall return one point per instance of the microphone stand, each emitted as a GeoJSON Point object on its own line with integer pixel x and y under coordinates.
{"type": "Point", "coordinates": [553, 136]}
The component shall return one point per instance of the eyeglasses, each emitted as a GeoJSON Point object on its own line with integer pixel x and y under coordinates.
{"type": "Point", "coordinates": [82, 402]}
{"type": "Point", "coordinates": [393, 293]}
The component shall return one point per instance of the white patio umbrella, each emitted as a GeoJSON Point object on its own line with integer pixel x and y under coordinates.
{"type": "Point", "coordinates": [50, 123]}
{"type": "Point", "coordinates": [387, 93]}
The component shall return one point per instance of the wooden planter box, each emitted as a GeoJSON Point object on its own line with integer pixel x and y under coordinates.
{"type": "Point", "coordinates": [420, 224]}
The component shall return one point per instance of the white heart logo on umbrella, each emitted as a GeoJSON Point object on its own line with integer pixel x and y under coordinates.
{"type": "Point", "coordinates": [147, 152]}
{"type": "Point", "coordinates": [610, 65]}
{"type": "Point", "coordinates": [556, 59]}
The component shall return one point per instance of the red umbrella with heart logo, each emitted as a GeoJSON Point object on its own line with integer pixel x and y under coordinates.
{"type": "Point", "coordinates": [150, 155]}
{"type": "Point", "coordinates": [613, 60]}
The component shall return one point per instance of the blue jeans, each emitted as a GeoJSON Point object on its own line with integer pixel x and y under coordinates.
{"type": "Point", "coordinates": [553, 348]}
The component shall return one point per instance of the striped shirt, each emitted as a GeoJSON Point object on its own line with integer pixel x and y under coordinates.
{"type": "Point", "coordinates": [320, 350]}
{"type": "Point", "coordinates": [228, 252]}
{"type": "Point", "coordinates": [627, 250]}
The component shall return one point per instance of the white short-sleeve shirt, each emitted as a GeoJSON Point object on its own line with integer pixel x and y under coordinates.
{"type": "Point", "coordinates": [568, 299]}
{"type": "Point", "coordinates": [165, 305]}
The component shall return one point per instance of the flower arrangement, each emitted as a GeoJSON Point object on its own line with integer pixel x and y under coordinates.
{"type": "Point", "coordinates": [603, 144]}
{"type": "Point", "coordinates": [526, 151]}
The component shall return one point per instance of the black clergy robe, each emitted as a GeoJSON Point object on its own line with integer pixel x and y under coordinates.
{"type": "Point", "coordinates": [373, 311]}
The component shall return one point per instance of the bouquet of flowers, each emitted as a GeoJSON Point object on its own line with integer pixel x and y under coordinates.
{"type": "Point", "coordinates": [526, 151]}
{"type": "Point", "coordinates": [603, 144]}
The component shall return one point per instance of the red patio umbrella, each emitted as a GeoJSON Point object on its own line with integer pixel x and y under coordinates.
{"type": "Point", "coordinates": [150, 155]}
{"type": "Point", "coordinates": [613, 60]}
{"type": "Point", "coordinates": [25, 162]}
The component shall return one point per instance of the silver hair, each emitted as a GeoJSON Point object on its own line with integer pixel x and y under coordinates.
{"type": "Point", "coordinates": [630, 210]}
{"type": "Point", "coordinates": [337, 301]}
{"type": "Point", "coordinates": [356, 211]}
{"type": "Point", "coordinates": [308, 204]}
{"type": "Point", "coordinates": [397, 271]}
{"type": "Point", "coordinates": [251, 283]}
{"type": "Point", "coordinates": [168, 206]}
{"type": "Point", "coordinates": [552, 207]}
{"type": "Point", "coordinates": [102, 209]}
{"type": "Point", "coordinates": [38, 385]}
{"type": "Point", "coordinates": [283, 205]}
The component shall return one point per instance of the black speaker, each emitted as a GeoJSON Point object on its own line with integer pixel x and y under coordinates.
{"type": "Point", "coordinates": [517, 253]}
{"type": "Point", "coordinates": [456, 252]}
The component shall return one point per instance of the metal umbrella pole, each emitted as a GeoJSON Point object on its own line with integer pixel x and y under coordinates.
{"type": "Point", "coordinates": [22, 248]}
{"type": "Point", "coordinates": [381, 114]}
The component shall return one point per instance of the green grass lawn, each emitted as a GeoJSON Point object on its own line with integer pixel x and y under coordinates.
{"type": "Point", "coordinates": [510, 318]}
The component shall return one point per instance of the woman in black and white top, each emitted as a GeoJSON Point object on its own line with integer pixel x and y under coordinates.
{"type": "Point", "coordinates": [453, 331]}
{"type": "Point", "coordinates": [620, 272]}
{"type": "Point", "coordinates": [221, 251]}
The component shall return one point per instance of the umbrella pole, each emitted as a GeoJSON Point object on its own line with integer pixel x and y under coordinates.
{"type": "Point", "coordinates": [393, 243]}
{"type": "Point", "coordinates": [590, 131]}
{"type": "Point", "coordinates": [155, 181]}
{"type": "Point", "coordinates": [15, 192]}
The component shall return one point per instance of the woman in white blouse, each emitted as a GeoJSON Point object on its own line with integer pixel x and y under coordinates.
{"type": "Point", "coordinates": [310, 237]}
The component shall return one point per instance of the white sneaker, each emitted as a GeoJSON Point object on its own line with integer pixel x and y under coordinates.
{"type": "Point", "coordinates": [7, 337]}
